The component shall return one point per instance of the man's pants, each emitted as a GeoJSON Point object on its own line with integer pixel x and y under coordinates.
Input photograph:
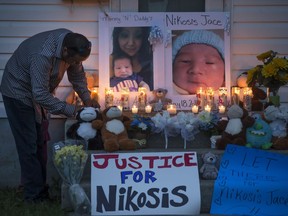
{"type": "Point", "coordinates": [29, 143]}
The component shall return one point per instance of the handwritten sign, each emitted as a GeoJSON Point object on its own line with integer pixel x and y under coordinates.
{"type": "Point", "coordinates": [251, 182]}
{"type": "Point", "coordinates": [145, 183]}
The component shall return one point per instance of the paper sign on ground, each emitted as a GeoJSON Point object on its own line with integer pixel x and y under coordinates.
{"type": "Point", "coordinates": [251, 182]}
{"type": "Point", "coordinates": [145, 183]}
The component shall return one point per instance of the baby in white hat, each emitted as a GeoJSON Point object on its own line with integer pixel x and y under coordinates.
{"type": "Point", "coordinates": [198, 61]}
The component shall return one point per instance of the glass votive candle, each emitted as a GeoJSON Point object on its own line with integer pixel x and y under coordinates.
{"type": "Point", "coordinates": [195, 109]}
{"type": "Point", "coordinates": [120, 107]}
{"type": "Point", "coordinates": [148, 108]}
{"type": "Point", "coordinates": [134, 109]}
{"type": "Point", "coordinates": [171, 108]}
{"type": "Point", "coordinates": [222, 109]}
{"type": "Point", "coordinates": [207, 108]}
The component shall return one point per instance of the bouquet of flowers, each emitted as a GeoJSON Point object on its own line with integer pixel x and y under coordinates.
{"type": "Point", "coordinates": [208, 122]}
{"type": "Point", "coordinates": [272, 74]}
{"type": "Point", "coordinates": [142, 124]}
{"type": "Point", "coordinates": [70, 160]}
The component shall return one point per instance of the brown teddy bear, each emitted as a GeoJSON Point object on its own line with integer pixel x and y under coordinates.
{"type": "Point", "coordinates": [160, 101]}
{"type": "Point", "coordinates": [114, 130]}
{"type": "Point", "coordinates": [233, 130]}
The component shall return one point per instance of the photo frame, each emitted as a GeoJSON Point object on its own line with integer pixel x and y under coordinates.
{"type": "Point", "coordinates": [164, 27]}
{"type": "Point", "coordinates": [110, 21]}
{"type": "Point", "coordinates": [176, 24]}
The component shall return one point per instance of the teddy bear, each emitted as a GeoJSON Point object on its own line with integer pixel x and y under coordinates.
{"type": "Point", "coordinates": [160, 101]}
{"type": "Point", "coordinates": [114, 130]}
{"type": "Point", "coordinates": [233, 130]}
{"type": "Point", "coordinates": [209, 169]}
{"type": "Point", "coordinates": [82, 128]}
{"type": "Point", "coordinates": [260, 134]}
{"type": "Point", "coordinates": [277, 117]}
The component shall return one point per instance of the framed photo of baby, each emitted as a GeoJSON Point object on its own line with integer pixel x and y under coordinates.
{"type": "Point", "coordinates": [198, 57]}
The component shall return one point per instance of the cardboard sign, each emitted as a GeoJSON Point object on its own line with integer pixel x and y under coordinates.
{"type": "Point", "coordinates": [251, 182]}
{"type": "Point", "coordinates": [145, 183]}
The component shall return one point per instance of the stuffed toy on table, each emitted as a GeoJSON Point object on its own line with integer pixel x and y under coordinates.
{"type": "Point", "coordinates": [160, 101]}
{"type": "Point", "coordinates": [233, 130]}
{"type": "Point", "coordinates": [259, 135]}
{"type": "Point", "coordinates": [82, 129]}
{"type": "Point", "coordinates": [277, 117]}
{"type": "Point", "coordinates": [114, 130]}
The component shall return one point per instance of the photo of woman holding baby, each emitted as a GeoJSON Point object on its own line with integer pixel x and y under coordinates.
{"type": "Point", "coordinates": [133, 41]}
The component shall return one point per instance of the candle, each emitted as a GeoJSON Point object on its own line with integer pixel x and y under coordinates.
{"type": "Point", "coordinates": [208, 108]}
{"type": "Point", "coordinates": [148, 108]}
{"type": "Point", "coordinates": [125, 98]}
{"type": "Point", "coordinates": [222, 109]}
{"type": "Point", "coordinates": [235, 95]}
{"type": "Point", "coordinates": [171, 108]}
{"type": "Point", "coordinates": [210, 96]}
{"type": "Point", "coordinates": [120, 107]}
{"type": "Point", "coordinates": [222, 91]}
{"type": "Point", "coordinates": [195, 109]}
{"type": "Point", "coordinates": [142, 97]}
{"type": "Point", "coordinates": [134, 109]}
{"type": "Point", "coordinates": [247, 98]}
{"type": "Point", "coordinates": [200, 97]}
{"type": "Point", "coordinates": [109, 97]}
{"type": "Point", "coordinates": [94, 93]}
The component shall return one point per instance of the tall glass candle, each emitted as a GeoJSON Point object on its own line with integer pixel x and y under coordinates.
{"type": "Point", "coordinates": [201, 98]}
{"type": "Point", "coordinates": [247, 98]}
{"type": "Point", "coordinates": [142, 98]}
{"type": "Point", "coordinates": [235, 95]}
{"type": "Point", "coordinates": [94, 93]}
{"type": "Point", "coordinates": [210, 96]}
{"type": "Point", "coordinates": [109, 97]}
{"type": "Point", "coordinates": [223, 92]}
{"type": "Point", "coordinates": [125, 98]}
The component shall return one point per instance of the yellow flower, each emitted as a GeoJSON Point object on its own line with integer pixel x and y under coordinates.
{"type": "Point", "coordinates": [265, 55]}
{"type": "Point", "coordinates": [269, 70]}
{"type": "Point", "coordinates": [281, 63]}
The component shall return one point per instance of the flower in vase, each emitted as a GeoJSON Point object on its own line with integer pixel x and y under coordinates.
{"type": "Point", "coordinates": [272, 74]}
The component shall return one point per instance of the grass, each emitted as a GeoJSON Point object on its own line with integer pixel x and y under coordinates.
{"type": "Point", "coordinates": [11, 204]}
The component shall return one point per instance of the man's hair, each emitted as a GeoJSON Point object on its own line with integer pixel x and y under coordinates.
{"type": "Point", "coordinates": [77, 44]}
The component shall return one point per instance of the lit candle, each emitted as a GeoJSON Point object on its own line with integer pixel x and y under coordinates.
{"type": "Point", "coordinates": [171, 108]}
{"type": "Point", "coordinates": [109, 97]}
{"type": "Point", "coordinates": [208, 108]}
{"type": "Point", "coordinates": [125, 98]}
{"type": "Point", "coordinates": [247, 98]}
{"type": "Point", "coordinates": [142, 97]}
{"type": "Point", "coordinates": [210, 96]}
{"type": "Point", "coordinates": [200, 97]}
{"type": "Point", "coordinates": [195, 108]}
{"type": "Point", "coordinates": [134, 109]}
{"type": "Point", "coordinates": [148, 108]}
{"type": "Point", "coordinates": [94, 93]}
{"type": "Point", "coordinates": [222, 109]}
{"type": "Point", "coordinates": [120, 107]}
{"type": "Point", "coordinates": [235, 95]}
{"type": "Point", "coordinates": [222, 91]}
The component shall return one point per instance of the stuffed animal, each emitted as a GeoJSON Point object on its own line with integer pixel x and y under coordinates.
{"type": "Point", "coordinates": [233, 130]}
{"type": "Point", "coordinates": [277, 118]}
{"type": "Point", "coordinates": [114, 130]}
{"type": "Point", "coordinates": [160, 101]}
{"type": "Point", "coordinates": [260, 134]}
{"type": "Point", "coordinates": [83, 129]}
{"type": "Point", "coordinates": [209, 169]}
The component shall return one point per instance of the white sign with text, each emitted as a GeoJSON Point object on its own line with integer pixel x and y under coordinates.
{"type": "Point", "coordinates": [145, 183]}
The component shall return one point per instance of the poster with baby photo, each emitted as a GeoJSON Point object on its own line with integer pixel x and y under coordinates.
{"type": "Point", "coordinates": [131, 57]}
{"type": "Point", "coordinates": [197, 58]}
